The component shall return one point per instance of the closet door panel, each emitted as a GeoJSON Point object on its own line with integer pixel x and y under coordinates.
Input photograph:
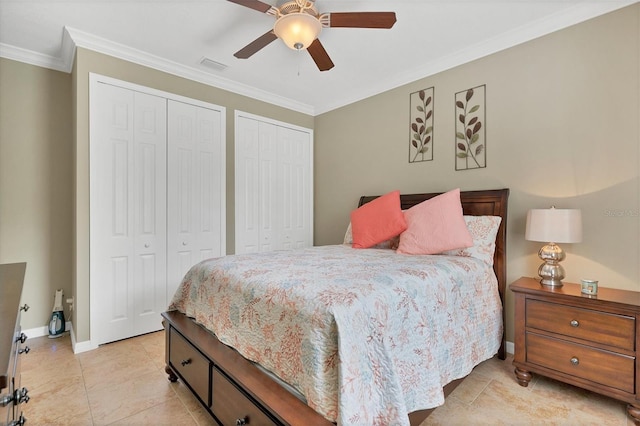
{"type": "Point", "coordinates": [112, 225]}
{"type": "Point", "coordinates": [294, 188]}
{"type": "Point", "coordinates": [150, 135]}
{"type": "Point", "coordinates": [181, 192]}
{"type": "Point", "coordinates": [268, 221]}
{"type": "Point", "coordinates": [127, 200]}
{"type": "Point", "coordinates": [209, 148]}
{"type": "Point", "coordinates": [247, 183]}
{"type": "Point", "coordinates": [194, 189]}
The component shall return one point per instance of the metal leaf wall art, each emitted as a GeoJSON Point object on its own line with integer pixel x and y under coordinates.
{"type": "Point", "coordinates": [470, 129]}
{"type": "Point", "coordinates": [421, 125]}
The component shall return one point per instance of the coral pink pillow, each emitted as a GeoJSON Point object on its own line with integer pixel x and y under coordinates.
{"type": "Point", "coordinates": [435, 225]}
{"type": "Point", "coordinates": [377, 221]}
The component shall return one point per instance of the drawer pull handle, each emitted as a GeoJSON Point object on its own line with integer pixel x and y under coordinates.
{"type": "Point", "coordinates": [574, 323]}
{"type": "Point", "coordinates": [243, 421]}
{"type": "Point", "coordinates": [21, 396]}
{"type": "Point", "coordinates": [185, 362]}
{"type": "Point", "coordinates": [575, 361]}
{"type": "Point", "coordinates": [5, 400]}
{"type": "Point", "coordinates": [20, 422]}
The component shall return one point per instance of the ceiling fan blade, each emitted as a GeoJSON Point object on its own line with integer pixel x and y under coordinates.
{"type": "Point", "coordinates": [256, 45]}
{"type": "Point", "coordinates": [320, 56]}
{"type": "Point", "coordinates": [362, 19]}
{"type": "Point", "coordinates": [253, 4]}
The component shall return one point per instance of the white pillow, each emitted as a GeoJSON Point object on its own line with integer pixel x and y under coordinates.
{"type": "Point", "coordinates": [483, 230]}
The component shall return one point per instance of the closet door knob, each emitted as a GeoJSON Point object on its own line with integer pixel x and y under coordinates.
{"type": "Point", "coordinates": [184, 243]}
{"type": "Point", "coordinates": [146, 245]}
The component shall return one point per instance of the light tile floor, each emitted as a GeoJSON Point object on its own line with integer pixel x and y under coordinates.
{"type": "Point", "coordinates": [124, 383]}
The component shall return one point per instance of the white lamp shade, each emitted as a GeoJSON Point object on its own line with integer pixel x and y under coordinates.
{"type": "Point", "coordinates": [554, 225]}
{"type": "Point", "coordinates": [297, 30]}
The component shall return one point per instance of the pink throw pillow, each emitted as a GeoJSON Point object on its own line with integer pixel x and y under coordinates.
{"type": "Point", "coordinates": [377, 221]}
{"type": "Point", "coordinates": [435, 225]}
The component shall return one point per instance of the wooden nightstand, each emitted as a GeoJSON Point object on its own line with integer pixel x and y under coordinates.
{"type": "Point", "coordinates": [587, 341]}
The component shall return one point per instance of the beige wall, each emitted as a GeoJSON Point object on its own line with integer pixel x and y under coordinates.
{"type": "Point", "coordinates": [35, 182]}
{"type": "Point", "coordinates": [562, 129]}
{"type": "Point", "coordinates": [88, 61]}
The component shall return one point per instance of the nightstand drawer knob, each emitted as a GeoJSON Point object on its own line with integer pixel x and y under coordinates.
{"type": "Point", "coordinates": [574, 323]}
{"type": "Point", "coordinates": [575, 361]}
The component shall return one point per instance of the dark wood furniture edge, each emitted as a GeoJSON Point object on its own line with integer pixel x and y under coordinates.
{"type": "Point", "coordinates": [607, 300]}
{"type": "Point", "coordinates": [13, 274]}
{"type": "Point", "coordinates": [281, 403]}
{"type": "Point", "coordinates": [492, 202]}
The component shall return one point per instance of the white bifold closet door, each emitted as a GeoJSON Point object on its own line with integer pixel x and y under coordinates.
{"type": "Point", "coordinates": [274, 187]}
{"type": "Point", "coordinates": [128, 205]}
{"type": "Point", "coordinates": [157, 202]}
{"type": "Point", "coordinates": [294, 193]}
{"type": "Point", "coordinates": [195, 202]}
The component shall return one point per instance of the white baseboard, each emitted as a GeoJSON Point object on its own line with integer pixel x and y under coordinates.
{"type": "Point", "coordinates": [44, 330]}
{"type": "Point", "coordinates": [79, 347]}
{"type": "Point", "coordinates": [76, 346]}
{"type": "Point", "coordinates": [510, 348]}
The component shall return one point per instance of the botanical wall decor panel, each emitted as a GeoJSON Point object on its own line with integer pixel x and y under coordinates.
{"type": "Point", "coordinates": [471, 149]}
{"type": "Point", "coordinates": [421, 125]}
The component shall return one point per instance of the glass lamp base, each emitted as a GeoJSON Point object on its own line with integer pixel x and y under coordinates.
{"type": "Point", "coordinates": [551, 273]}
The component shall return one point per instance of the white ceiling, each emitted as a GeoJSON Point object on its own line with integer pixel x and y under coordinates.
{"type": "Point", "coordinates": [174, 35]}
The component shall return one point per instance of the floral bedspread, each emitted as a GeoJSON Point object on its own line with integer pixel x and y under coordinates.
{"type": "Point", "coordinates": [366, 336]}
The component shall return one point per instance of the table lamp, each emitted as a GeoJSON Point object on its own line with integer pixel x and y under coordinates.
{"type": "Point", "coordinates": [553, 226]}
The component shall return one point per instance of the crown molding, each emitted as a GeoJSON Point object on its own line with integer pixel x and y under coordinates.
{"type": "Point", "coordinates": [34, 58]}
{"type": "Point", "coordinates": [73, 38]}
{"type": "Point", "coordinates": [107, 47]}
{"type": "Point", "coordinates": [575, 15]}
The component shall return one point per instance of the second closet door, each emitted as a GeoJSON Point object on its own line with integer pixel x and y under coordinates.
{"type": "Point", "coordinates": [273, 186]}
{"type": "Point", "coordinates": [194, 199]}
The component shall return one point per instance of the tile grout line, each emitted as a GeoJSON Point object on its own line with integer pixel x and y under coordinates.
{"type": "Point", "coordinates": [84, 385]}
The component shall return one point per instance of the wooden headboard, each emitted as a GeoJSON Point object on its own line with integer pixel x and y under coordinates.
{"type": "Point", "coordinates": [477, 203]}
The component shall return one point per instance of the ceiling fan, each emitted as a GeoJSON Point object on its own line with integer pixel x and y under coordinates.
{"type": "Point", "coordinates": [298, 24]}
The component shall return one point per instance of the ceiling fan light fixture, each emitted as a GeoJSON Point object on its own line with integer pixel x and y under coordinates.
{"type": "Point", "coordinates": [297, 30]}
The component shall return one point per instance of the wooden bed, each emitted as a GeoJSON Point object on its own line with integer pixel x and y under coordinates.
{"type": "Point", "coordinates": [237, 392]}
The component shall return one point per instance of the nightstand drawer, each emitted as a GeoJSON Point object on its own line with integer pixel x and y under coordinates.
{"type": "Point", "coordinates": [604, 367]}
{"type": "Point", "coordinates": [594, 326]}
{"type": "Point", "coordinates": [189, 363]}
{"type": "Point", "coordinates": [230, 405]}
